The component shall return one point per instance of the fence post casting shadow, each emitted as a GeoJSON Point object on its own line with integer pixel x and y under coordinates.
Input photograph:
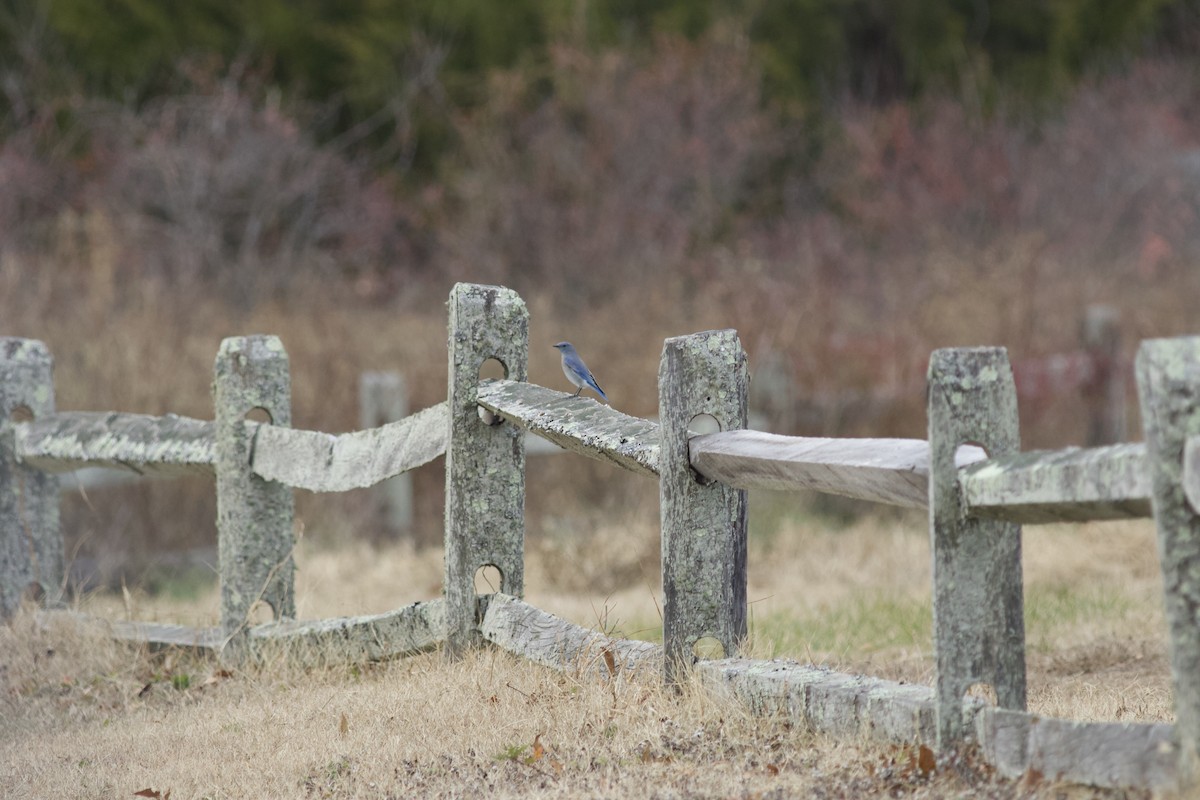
{"type": "Point", "coordinates": [31, 546]}
{"type": "Point", "coordinates": [254, 516]}
{"type": "Point", "coordinates": [978, 603]}
{"type": "Point", "coordinates": [1169, 392]}
{"type": "Point", "coordinates": [485, 464]}
{"type": "Point", "coordinates": [703, 525]}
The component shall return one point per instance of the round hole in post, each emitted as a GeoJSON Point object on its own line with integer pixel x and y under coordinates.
{"type": "Point", "coordinates": [708, 648]}
{"type": "Point", "coordinates": [21, 413]}
{"type": "Point", "coordinates": [969, 453]}
{"type": "Point", "coordinates": [260, 613]}
{"type": "Point", "coordinates": [701, 425]}
{"type": "Point", "coordinates": [493, 369]}
{"type": "Point", "coordinates": [259, 414]}
{"type": "Point", "coordinates": [704, 423]}
{"type": "Point", "coordinates": [488, 579]}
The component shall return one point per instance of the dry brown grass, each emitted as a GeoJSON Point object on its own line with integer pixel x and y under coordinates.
{"type": "Point", "coordinates": [84, 717]}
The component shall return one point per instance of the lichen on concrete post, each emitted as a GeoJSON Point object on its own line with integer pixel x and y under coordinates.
{"type": "Point", "coordinates": [978, 602]}
{"type": "Point", "coordinates": [1168, 378]}
{"type": "Point", "coordinates": [31, 546]}
{"type": "Point", "coordinates": [703, 524]}
{"type": "Point", "coordinates": [485, 464]}
{"type": "Point", "coordinates": [254, 516]}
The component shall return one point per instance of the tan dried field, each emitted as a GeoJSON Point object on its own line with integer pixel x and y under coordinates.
{"type": "Point", "coordinates": [85, 717]}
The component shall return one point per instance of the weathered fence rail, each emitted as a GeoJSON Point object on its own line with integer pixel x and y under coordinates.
{"type": "Point", "coordinates": [969, 474]}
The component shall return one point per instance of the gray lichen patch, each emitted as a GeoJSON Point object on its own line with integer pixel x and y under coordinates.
{"type": "Point", "coordinates": [1073, 484]}
{"type": "Point", "coordinates": [578, 424]}
{"type": "Point", "coordinates": [978, 614]}
{"type": "Point", "coordinates": [483, 526]}
{"type": "Point", "coordinates": [1168, 377]}
{"type": "Point", "coordinates": [31, 546]}
{"type": "Point", "coordinates": [167, 445]}
{"type": "Point", "coordinates": [703, 525]}
{"type": "Point", "coordinates": [254, 516]}
{"type": "Point", "coordinates": [323, 462]}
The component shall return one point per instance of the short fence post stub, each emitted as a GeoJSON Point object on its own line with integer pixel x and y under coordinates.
{"type": "Point", "coordinates": [1168, 378]}
{"type": "Point", "coordinates": [1104, 390]}
{"type": "Point", "coordinates": [31, 546]}
{"type": "Point", "coordinates": [254, 515]}
{"type": "Point", "coordinates": [978, 602]}
{"type": "Point", "coordinates": [703, 525]}
{"type": "Point", "coordinates": [485, 463]}
{"type": "Point", "coordinates": [383, 398]}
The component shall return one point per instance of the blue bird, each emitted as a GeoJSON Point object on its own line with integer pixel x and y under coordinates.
{"type": "Point", "coordinates": [577, 372]}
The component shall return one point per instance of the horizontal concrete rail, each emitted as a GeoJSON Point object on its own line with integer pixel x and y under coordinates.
{"type": "Point", "coordinates": [163, 634]}
{"type": "Point", "coordinates": [1105, 754]}
{"type": "Point", "coordinates": [578, 424]}
{"type": "Point", "coordinates": [151, 446]}
{"type": "Point", "coordinates": [893, 471]}
{"type": "Point", "coordinates": [827, 701]}
{"type": "Point", "coordinates": [1071, 485]}
{"type": "Point", "coordinates": [410, 629]}
{"type": "Point", "coordinates": [323, 462]}
{"type": "Point", "coordinates": [1102, 754]}
{"type": "Point", "coordinates": [169, 446]}
{"type": "Point", "coordinates": [1074, 484]}
{"type": "Point", "coordinates": [407, 630]}
{"type": "Point", "coordinates": [545, 639]}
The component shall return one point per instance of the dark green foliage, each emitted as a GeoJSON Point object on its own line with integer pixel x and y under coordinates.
{"type": "Point", "coordinates": [389, 78]}
{"type": "Point", "coordinates": [362, 52]}
{"type": "Point", "coordinates": [885, 49]}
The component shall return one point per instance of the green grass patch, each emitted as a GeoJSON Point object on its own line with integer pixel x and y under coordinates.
{"type": "Point", "coordinates": [182, 584]}
{"type": "Point", "coordinates": [1051, 609]}
{"type": "Point", "coordinates": [869, 623]}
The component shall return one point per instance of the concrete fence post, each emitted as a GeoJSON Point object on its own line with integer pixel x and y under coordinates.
{"type": "Point", "coordinates": [383, 398]}
{"type": "Point", "coordinates": [978, 602]}
{"type": "Point", "coordinates": [1104, 391]}
{"type": "Point", "coordinates": [31, 546]}
{"type": "Point", "coordinates": [485, 463]}
{"type": "Point", "coordinates": [254, 516]}
{"type": "Point", "coordinates": [703, 525]}
{"type": "Point", "coordinates": [1168, 378]}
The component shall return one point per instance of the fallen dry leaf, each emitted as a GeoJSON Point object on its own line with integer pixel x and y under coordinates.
{"type": "Point", "coordinates": [154, 794]}
{"type": "Point", "coordinates": [926, 761]}
{"type": "Point", "coordinates": [610, 662]}
{"type": "Point", "coordinates": [537, 751]}
{"type": "Point", "coordinates": [343, 724]}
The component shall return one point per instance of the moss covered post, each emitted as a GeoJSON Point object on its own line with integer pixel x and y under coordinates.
{"type": "Point", "coordinates": [254, 516]}
{"type": "Point", "coordinates": [978, 602]}
{"type": "Point", "coordinates": [31, 547]}
{"type": "Point", "coordinates": [485, 463]}
{"type": "Point", "coordinates": [1168, 378]}
{"type": "Point", "coordinates": [703, 524]}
